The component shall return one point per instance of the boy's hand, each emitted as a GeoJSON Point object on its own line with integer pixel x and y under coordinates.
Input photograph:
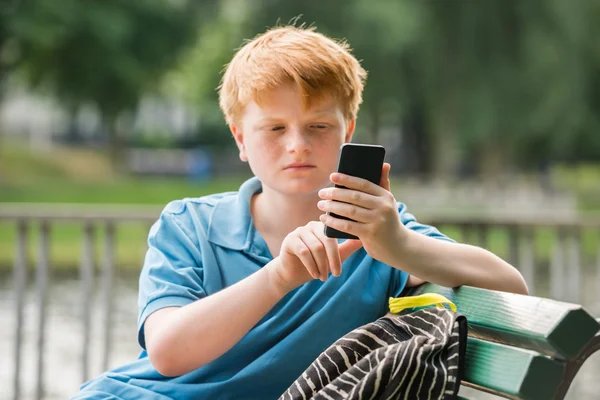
{"type": "Point", "coordinates": [374, 209]}
{"type": "Point", "coordinates": [306, 253]}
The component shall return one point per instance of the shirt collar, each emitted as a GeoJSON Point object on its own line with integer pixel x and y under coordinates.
{"type": "Point", "coordinates": [230, 223]}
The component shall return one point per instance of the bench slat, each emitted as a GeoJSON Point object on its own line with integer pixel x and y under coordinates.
{"type": "Point", "coordinates": [502, 369]}
{"type": "Point", "coordinates": [558, 329]}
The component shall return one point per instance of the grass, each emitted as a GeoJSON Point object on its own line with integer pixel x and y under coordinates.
{"type": "Point", "coordinates": [122, 191]}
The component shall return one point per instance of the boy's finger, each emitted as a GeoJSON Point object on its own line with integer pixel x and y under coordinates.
{"type": "Point", "coordinates": [318, 252]}
{"type": "Point", "coordinates": [349, 247]}
{"type": "Point", "coordinates": [354, 197]}
{"type": "Point", "coordinates": [332, 250]}
{"type": "Point", "coordinates": [355, 183]}
{"type": "Point", "coordinates": [353, 211]}
{"type": "Point", "coordinates": [300, 250]}
{"type": "Point", "coordinates": [333, 254]}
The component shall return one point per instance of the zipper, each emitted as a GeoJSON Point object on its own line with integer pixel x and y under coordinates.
{"type": "Point", "coordinates": [401, 333]}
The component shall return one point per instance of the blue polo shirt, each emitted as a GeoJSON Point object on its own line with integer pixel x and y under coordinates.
{"type": "Point", "coordinates": [202, 245]}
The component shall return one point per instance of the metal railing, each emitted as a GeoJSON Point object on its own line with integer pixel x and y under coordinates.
{"type": "Point", "coordinates": [474, 230]}
{"type": "Point", "coordinates": [89, 218]}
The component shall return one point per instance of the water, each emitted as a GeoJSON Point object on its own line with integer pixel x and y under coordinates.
{"type": "Point", "coordinates": [64, 336]}
{"type": "Point", "coordinates": [64, 340]}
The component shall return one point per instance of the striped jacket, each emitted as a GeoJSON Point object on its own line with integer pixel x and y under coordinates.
{"type": "Point", "coordinates": [418, 355]}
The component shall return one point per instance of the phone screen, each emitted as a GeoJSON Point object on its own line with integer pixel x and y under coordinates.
{"type": "Point", "coordinates": [361, 160]}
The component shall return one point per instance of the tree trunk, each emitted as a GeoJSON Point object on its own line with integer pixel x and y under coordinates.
{"type": "Point", "coordinates": [115, 145]}
{"type": "Point", "coordinates": [73, 134]}
{"type": "Point", "coordinates": [444, 144]}
{"type": "Point", "coordinates": [375, 124]}
{"type": "Point", "coordinates": [415, 147]}
{"type": "Point", "coordinates": [491, 163]}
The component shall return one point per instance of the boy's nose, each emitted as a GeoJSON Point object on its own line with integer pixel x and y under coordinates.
{"type": "Point", "coordinates": [297, 141]}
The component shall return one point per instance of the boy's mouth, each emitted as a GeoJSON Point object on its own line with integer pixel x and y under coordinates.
{"type": "Point", "coordinates": [299, 166]}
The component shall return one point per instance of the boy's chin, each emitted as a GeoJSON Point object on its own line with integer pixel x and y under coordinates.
{"type": "Point", "coordinates": [300, 187]}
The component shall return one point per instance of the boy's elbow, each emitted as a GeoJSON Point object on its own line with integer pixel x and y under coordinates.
{"type": "Point", "coordinates": [162, 359]}
{"type": "Point", "coordinates": [165, 359]}
{"type": "Point", "coordinates": [171, 355]}
{"type": "Point", "coordinates": [513, 282]}
{"type": "Point", "coordinates": [507, 278]}
{"type": "Point", "coordinates": [521, 286]}
{"type": "Point", "coordinates": [166, 350]}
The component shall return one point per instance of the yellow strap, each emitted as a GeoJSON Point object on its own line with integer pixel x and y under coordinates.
{"type": "Point", "coordinates": [428, 299]}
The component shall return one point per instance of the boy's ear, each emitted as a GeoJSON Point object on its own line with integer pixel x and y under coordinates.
{"type": "Point", "coordinates": [350, 130]}
{"type": "Point", "coordinates": [239, 141]}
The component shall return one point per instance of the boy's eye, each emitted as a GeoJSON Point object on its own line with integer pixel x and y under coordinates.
{"type": "Point", "coordinates": [319, 126]}
{"type": "Point", "coordinates": [277, 128]}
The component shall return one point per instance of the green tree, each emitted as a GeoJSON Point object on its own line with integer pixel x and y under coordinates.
{"type": "Point", "coordinates": [107, 53]}
{"type": "Point", "coordinates": [197, 75]}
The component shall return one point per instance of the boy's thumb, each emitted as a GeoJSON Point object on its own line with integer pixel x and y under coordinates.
{"type": "Point", "coordinates": [349, 247]}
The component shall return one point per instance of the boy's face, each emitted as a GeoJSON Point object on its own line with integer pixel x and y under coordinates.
{"type": "Point", "coordinates": [292, 149]}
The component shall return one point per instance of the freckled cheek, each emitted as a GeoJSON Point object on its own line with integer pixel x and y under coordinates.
{"type": "Point", "coordinates": [265, 151]}
{"type": "Point", "coordinates": [271, 149]}
{"type": "Point", "coordinates": [329, 150]}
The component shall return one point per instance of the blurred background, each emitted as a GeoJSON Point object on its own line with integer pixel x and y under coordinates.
{"type": "Point", "coordinates": [489, 112]}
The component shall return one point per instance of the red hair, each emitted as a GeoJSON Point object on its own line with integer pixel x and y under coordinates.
{"type": "Point", "coordinates": [317, 64]}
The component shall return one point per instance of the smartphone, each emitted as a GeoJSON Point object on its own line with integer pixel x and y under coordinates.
{"type": "Point", "coordinates": [361, 160]}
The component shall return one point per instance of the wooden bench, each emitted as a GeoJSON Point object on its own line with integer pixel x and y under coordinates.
{"type": "Point", "coordinates": [521, 347]}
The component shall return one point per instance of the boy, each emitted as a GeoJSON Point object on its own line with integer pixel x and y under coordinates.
{"type": "Point", "coordinates": [241, 291]}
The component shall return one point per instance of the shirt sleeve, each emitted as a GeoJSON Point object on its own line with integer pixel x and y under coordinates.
{"type": "Point", "coordinates": [400, 278]}
{"type": "Point", "coordinates": [172, 274]}
{"type": "Point", "coordinates": [411, 222]}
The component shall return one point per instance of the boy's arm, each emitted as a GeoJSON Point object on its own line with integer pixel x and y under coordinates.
{"type": "Point", "coordinates": [414, 281]}
{"type": "Point", "coordinates": [454, 264]}
{"type": "Point", "coordinates": [181, 339]}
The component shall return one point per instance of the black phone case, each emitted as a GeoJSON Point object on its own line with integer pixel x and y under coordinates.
{"type": "Point", "coordinates": [360, 160]}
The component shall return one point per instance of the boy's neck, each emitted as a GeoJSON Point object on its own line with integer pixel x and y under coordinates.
{"type": "Point", "coordinates": [276, 215]}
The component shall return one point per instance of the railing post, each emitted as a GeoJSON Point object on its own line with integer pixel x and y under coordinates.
{"type": "Point", "coordinates": [87, 291]}
{"type": "Point", "coordinates": [527, 258]}
{"type": "Point", "coordinates": [598, 273]}
{"type": "Point", "coordinates": [557, 266]}
{"type": "Point", "coordinates": [574, 266]}
{"type": "Point", "coordinates": [20, 282]}
{"type": "Point", "coordinates": [42, 294]}
{"type": "Point", "coordinates": [467, 233]}
{"type": "Point", "coordinates": [107, 281]}
{"type": "Point", "coordinates": [513, 246]}
{"type": "Point", "coordinates": [482, 235]}
{"type": "Point", "coordinates": [522, 254]}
